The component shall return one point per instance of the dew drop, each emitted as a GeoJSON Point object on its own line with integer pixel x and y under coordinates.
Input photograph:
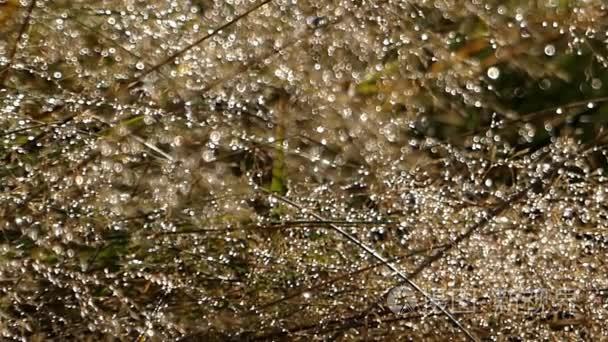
{"type": "Point", "coordinates": [208, 155]}
{"type": "Point", "coordinates": [545, 84]}
{"type": "Point", "coordinates": [493, 72]}
{"type": "Point", "coordinates": [58, 249]}
{"type": "Point", "coordinates": [178, 140]}
{"type": "Point", "coordinates": [57, 230]}
{"type": "Point", "coordinates": [215, 137]}
{"type": "Point", "coordinates": [390, 132]}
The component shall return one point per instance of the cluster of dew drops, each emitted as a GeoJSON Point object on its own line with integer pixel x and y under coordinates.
{"type": "Point", "coordinates": [134, 153]}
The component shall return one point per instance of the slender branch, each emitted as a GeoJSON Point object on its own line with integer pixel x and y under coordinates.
{"type": "Point", "coordinates": [275, 226]}
{"type": "Point", "coordinates": [348, 323]}
{"type": "Point", "coordinates": [566, 106]}
{"type": "Point", "coordinates": [380, 258]}
{"type": "Point", "coordinates": [201, 40]}
{"type": "Point", "coordinates": [273, 52]}
{"type": "Point", "coordinates": [342, 276]}
{"type": "Point", "coordinates": [152, 147]}
{"type": "Point", "coordinates": [32, 144]}
{"type": "Point", "coordinates": [495, 212]}
{"type": "Point", "coordinates": [328, 222]}
{"type": "Point", "coordinates": [22, 30]}
{"type": "Point", "coordinates": [526, 117]}
{"type": "Point", "coordinates": [354, 322]}
{"type": "Point", "coordinates": [24, 129]}
{"type": "Point", "coordinates": [129, 52]}
{"type": "Point", "coordinates": [476, 227]}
